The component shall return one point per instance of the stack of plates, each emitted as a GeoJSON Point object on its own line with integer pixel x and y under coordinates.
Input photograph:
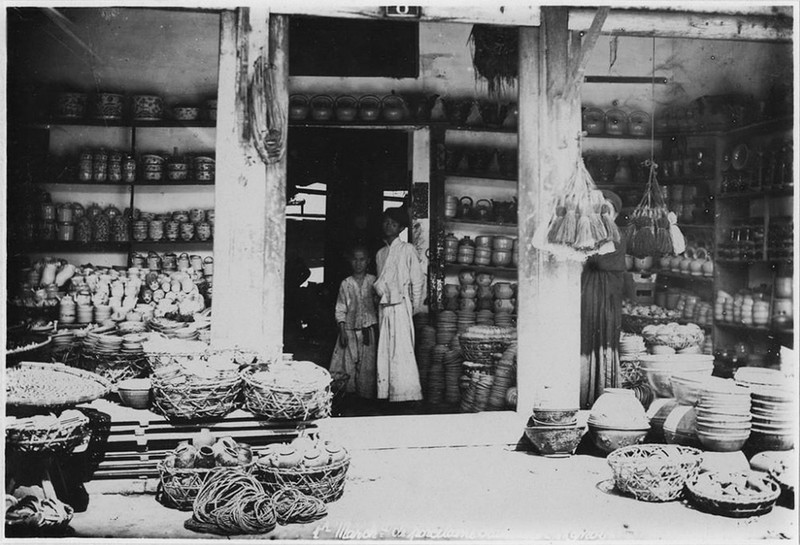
{"type": "Point", "coordinates": [132, 343]}
{"type": "Point", "coordinates": [131, 327]}
{"type": "Point", "coordinates": [483, 387]}
{"type": "Point", "coordinates": [503, 379]}
{"type": "Point", "coordinates": [435, 393]}
{"type": "Point", "coordinates": [723, 416]}
{"type": "Point", "coordinates": [102, 313]}
{"type": "Point", "coordinates": [62, 339]}
{"type": "Point", "coordinates": [452, 371]}
{"type": "Point", "coordinates": [503, 319]}
{"type": "Point", "coordinates": [465, 319]}
{"type": "Point", "coordinates": [104, 344]}
{"type": "Point", "coordinates": [446, 327]}
{"type": "Point", "coordinates": [426, 340]}
{"type": "Point", "coordinates": [759, 377]}
{"type": "Point", "coordinates": [631, 346]}
{"type": "Point", "coordinates": [189, 333]}
{"type": "Point", "coordinates": [774, 414]}
{"type": "Point", "coordinates": [484, 317]}
{"type": "Point", "coordinates": [421, 320]}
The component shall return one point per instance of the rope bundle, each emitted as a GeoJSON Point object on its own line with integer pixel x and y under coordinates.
{"type": "Point", "coordinates": [293, 506]}
{"type": "Point", "coordinates": [267, 118]}
{"type": "Point", "coordinates": [232, 502]}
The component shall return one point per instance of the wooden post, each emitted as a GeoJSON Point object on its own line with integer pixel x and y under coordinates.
{"type": "Point", "coordinates": [250, 232]}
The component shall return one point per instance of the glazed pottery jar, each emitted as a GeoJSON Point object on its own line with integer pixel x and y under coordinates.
{"type": "Point", "coordinates": [466, 304]}
{"type": "Point", "coordinates": [148, 107]}
{"type": "Point", "coordinates": [675, 264]}
{"type": "Point", "coordinates": [782, 312]}
{"type": "Point", "coordinates": [501, 258]}
{"type": "Point", "coordinates": [483, 241]}
{"type": "Point", "coordinates": [469, 291]}
{"type": "Point", "coordinates": [298, 107]}
{"type": "Point", "coordinates": [185, 455]}
{"type": "Point", "coordinates": [593, 121]}
{"type": "Point", "coordinates": [618, 408]}
{"type": "Point", "coordinates": [503, 305]}
{"type": "Point", "coordinates": [616, 122]}
{"type": "Point", "coordinates": [205, 458]}
{"type": "Point", "coordinates": [369, 108]}
{"type": "Point", "coordinates": [346, 108]}
{"type": "Point", "coordinates": [335, 452]}
{"type": "Point", "coordinates": [483, 210]}
{"type": "Point", "coordinates": [485, 279]}
{"type": "Point", "coordinates": [321, 108]}
{"type": "Point", "coordinates": [686, 263]}
{"type": "Point", "coordinates": [450, 290]}
{"type": "Point", "coordinates": [503, 243]}
{"type": "Point", "coordinates": [394, 108]}
{"type": "Point", "coordinates": [708, 267]}
{"type": "Point", "coordinates": [503, 290]}
{"type": "Point", "coordinates": [483, 256]}
{"type": "Point", "coordinates": [466, 276]}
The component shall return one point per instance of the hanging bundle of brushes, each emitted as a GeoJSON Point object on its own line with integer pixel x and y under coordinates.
{"type": "Point", "coordinates": [266, 119]}
{"type": "Point", "coordinates": [648, 233]}
{"type": "Point", "coordinates": [580, 221]}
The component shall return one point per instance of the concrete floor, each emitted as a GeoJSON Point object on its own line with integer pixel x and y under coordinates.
{"type": "Point", "coordinates": [451, 476]}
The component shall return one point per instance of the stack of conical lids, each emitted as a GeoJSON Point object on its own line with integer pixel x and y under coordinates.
{"type": "Point", "coordinates": [484, 317]}
{"type": "Point", "coordinates": [446, 327]}
{"type": "Point", "coordinates": [774, 414]}
{"type": "Point", "coordinates": [723, 416]}
{"type": "Point", "coordinates": [452, 361]}
{"type": "Point", "coordinates": [465, 319]}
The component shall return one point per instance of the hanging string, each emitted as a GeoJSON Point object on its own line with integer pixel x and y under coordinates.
{"type": "Point", "coordinates": [653, 105]}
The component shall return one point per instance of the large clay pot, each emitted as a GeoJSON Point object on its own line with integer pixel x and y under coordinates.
{"type": "Point", "coordinates": [503, 290]}
{"type": "Point", "coordinates": [485, 279]}
{"type": "Point", "coordinates": [618, 408]}
{"type": "Point", "coordinates": [503, 305]}
{"type": "Point", "coordinates": [450, 290]}
{"type": "Point", "coordinates": [466, 276]}
{"type": "Point", "coordinates": [468, 291]}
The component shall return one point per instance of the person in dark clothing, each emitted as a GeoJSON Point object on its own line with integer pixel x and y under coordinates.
{"type": "Point", "coordinates": [601, 316]}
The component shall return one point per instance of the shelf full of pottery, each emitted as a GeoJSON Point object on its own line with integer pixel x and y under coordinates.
{"type": "Point", "coordinates": [761, 308]}
{"type": "Point", "coordinates": [746, 239]}
{"type": "Point", "coordinates": [479, 292]}
{"type": "Point", "coordinates": [55, 290]}
{"type": "Point", "coordinates": [103, 107]}
{"type": "Point", "coordinates": [495, 251]}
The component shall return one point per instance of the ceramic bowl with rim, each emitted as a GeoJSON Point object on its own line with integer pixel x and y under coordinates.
{"type": "Point", "coordinates": [186, 113]}
{"type": "Point", "coordinates": [618, 408]}
{"type": "Point", "coordinates": [610, 439]}
{"type": "Point", "coordinates": [722, 442]}
{"type": "Point", "coordinates": [135, 392]}
{"type": "Point", "coordinates": [554, 417]}
{"type": "Point", "coordinates": [555, 440]}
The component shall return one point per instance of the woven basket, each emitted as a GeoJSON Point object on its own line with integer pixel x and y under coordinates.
{"type": "Point", "coordinates": [654, 472]}
{"type": "Point", "coordinates": [729, 506]}
{"type": "Point", "coordinates": [59, 438]}
{"type": "Point", "coordinates": [483, 351]}
{"type": "Point", "coordinates": [93, 387]}
{"type": "Point", "coordinates": [114, 367]}
{"type": "Point", "coordinates": [68, 355]}
{"type": "Point", "coordinates": [325, 483]}
{"type": "Point", "coordinates": [189, 397]}
{"type": "Point", "coordinates": [178, 487]}
{"type": "Point", "coordinates": [289, 402]}
{"type": "Point", "coordinates": [635, 324]}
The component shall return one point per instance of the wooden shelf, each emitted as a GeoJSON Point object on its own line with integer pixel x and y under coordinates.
{"type": "Point", "coordinates": [74, 246]}
{"type": "Point", "coordinates": [122, 123]}
{"type": "Point", "coordinates": [144, 183]}
{"type": "Point", "coordinates": [687, 277]}
{"type": "Point", "coordinates": [479, 175]}
{"type": "Point", "coordinates": [709, 226]}
{"type": "Point", "coordinates": [770, 192]}
{"type": "Point", "coordinates": [766, 126]}
{"type": "Point", "coordinates": [199, 244]}
{"type": "Point", "coordinates": [748, 262]}
{"type": "Point", "coordinates": [755, 328]}
{"type": "Point", "coordinates": [617, 137]}
{"type": "Point", "coordinates": [479, 223]}
{"type": "Point", "coordinates": [685, 180]}
{"type": "Point", "coordinates": [139, 183]}
{"type": "Point", "coordinates": [495, 129]}
{"type": "Point", "coordinates": [480, 268]}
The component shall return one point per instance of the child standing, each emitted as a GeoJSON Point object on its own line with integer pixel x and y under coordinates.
{"type": "Point", "coordinates": [400, 287]}
{"type": "Point", "coordinates": [357, 346]}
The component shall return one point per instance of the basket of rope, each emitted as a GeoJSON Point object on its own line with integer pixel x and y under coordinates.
{"type": "Point", "coordinates": [196, 388]}
{"type": "Point", "coordinates": [47, 434]}
{"type": "Point", "coordinates": [654, 473]}
{"type": "Point", "coordinates": [287, 390]}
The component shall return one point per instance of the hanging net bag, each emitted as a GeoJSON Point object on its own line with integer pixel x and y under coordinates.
{"type": "Point", "coordinates": [648, 233]}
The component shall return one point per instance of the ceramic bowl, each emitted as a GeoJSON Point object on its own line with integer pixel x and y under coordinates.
{"type": "Point", "coordinates": [555, 440]}
{"type": "Point", "coordinates": [609, 439]}
{"type": "Point", "coordinates": [721, 442]}
{"type": "Point", "coordinates": [108, 105]}
{"type": "Point", "coordinates": [554, 417]}
{"type": "Point", "coordinates": [761, 441]}
{"type": "Point", "coordinates": [134, 392]}
{"type": "Point", "coordinates": [148, 107]}
{"type": "Point", "coordinates": [618, 408]}
{"type": "Point", "coordinates": [186, 113]}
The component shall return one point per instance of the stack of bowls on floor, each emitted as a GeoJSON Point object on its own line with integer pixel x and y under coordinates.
{"type": "Point", "coordinates": [774, 413]}
{"type": "Point", "coordinates": [446, 327]}
{"type": "Point", "coordinates": [435, 393]}
{"type": "Point", "coordinates": [465, 319]}
{"type": "Point", "coordinates": [617, 419]}
{"type": "Point", "coordinates": [503, 319]}
{"type": "Point", "coordinates": [723, 416]}
{"type": "Point", "coordinates": [426, 340]}
{"type": "Point", "coordinates": [659, 368]}
{"type": "Point", "coordinates": [452, 361]}
{"type": "Point", "coordinates": [554, 432]}
{"type": "Point", "coordinates": [484, 317]}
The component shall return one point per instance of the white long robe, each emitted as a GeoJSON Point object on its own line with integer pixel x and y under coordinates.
{"type": "Point", "coordinates": [356, 308]}
{"type": "Point", "coordinates": [400, 286]}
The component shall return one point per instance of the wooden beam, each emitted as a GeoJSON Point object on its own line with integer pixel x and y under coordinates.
{"type": "Point", "coordinates": [691, 24]}
{"type": "Point", "coordinates": [580, 56]}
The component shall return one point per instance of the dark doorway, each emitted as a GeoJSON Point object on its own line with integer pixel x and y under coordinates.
{"type": "Point", "coordinates": [339, 182]}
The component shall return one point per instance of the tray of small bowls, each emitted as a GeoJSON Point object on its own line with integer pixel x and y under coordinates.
{"type": "Point", "coordinates": [737, 495]}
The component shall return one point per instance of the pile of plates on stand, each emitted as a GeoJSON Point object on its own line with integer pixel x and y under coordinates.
{"type": "Point", "coordinates": [102, 344]}
{"type": "Point", "coordinates": [484, 317]}
{"type": "Point", "coordinates": [451, 362]}
{"type": "Point", "coordinates": [723, 417]}
{"type": "Point", "coordinates": [446, 327]}
{"type": "Point", "coordinates": [465, 319]}
{"type": "Point", "coordinates": [503, 319]}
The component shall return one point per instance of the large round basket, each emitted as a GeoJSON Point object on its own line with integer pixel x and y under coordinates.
{"type": "Point", "coordinates": [33, 387]}
{"type": "Point", "coordinates": [654, 472]}
{"type": "Point", "coordinates": [288, 390]}
{"type": "Point", "coordinates": [190, 397]}
{"type": "Point", "coordinates": [326, 482]}
{"type": "Point", "coordinates": [114, 366]}
{"type": "Point", "coordinates": [28, 348]}
{"type": "Point", "coordinates": [62, 436]}
{"type": "Point", "coordinates": [485, 352]}
{"type": "Point", "coordinates": [178, 487]}
{"type": "Point", "coordinates": [704, 495]}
